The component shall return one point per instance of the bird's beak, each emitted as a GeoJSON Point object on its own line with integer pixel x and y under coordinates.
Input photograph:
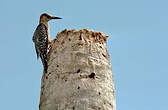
{"type": "Point", "coordinates": [53, 17]}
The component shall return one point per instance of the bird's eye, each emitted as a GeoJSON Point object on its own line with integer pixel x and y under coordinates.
{"type": "Point", "coordinates": [48, 17]}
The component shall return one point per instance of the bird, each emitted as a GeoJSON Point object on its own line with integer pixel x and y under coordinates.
{"type": "Point", "coordinates": [41, 38]}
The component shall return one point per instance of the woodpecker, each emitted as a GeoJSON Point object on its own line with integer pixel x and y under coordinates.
{"type": "Point", "coordinates": [41, 38]}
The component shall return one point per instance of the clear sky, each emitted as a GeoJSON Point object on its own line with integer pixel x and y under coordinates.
{"type": "Point", "coordinates": [138, 46]}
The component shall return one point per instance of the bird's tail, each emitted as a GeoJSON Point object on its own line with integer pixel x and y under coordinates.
{"type": "Point", "coordinates": [44, 61]}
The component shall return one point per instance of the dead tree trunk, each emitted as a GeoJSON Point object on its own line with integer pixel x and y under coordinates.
{"type": "Point", "coordinates": [79, 73]}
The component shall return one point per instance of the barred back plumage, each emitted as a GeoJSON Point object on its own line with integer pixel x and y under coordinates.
{"type": "Point", "coordinates": [40, 39]}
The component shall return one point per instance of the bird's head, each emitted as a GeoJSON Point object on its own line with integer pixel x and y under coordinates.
{"type": "Point", "coordinates": [46, 17]}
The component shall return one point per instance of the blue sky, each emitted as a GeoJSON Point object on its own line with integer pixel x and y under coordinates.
{"type": "Point", "coordinates": [138, 46]}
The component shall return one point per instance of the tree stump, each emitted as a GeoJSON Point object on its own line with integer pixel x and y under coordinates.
{"type": "Point", "coordinates": [79, 75]}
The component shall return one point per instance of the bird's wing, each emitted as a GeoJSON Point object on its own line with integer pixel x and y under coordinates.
{"type": "Point", "coordinates": [37, 52]}
{"type": "Point", "coordinates": [40, 39]}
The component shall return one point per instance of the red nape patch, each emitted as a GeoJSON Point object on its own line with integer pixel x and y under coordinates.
{"type": "Point", "coordinates": [41, 16]}
{"type": "Point", "coordinates": [44, 14]}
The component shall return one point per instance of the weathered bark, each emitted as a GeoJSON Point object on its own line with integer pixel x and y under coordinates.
{"type": "Point", "coordinates": [79, 73]}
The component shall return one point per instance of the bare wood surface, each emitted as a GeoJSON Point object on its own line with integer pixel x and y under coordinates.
{"type": "Point", "coordinates": [79, 73]}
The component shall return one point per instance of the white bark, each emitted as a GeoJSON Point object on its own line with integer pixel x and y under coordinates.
{"type": "Point", "coordinates": [79, 73]}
